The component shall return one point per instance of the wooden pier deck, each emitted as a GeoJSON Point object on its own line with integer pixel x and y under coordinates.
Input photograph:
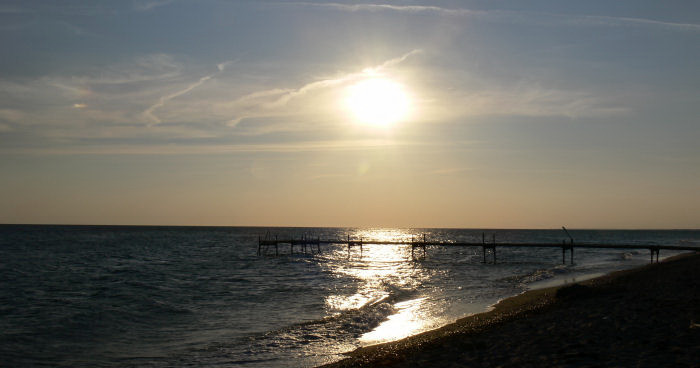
{"type": "Point", "coordinates": [421, 243]}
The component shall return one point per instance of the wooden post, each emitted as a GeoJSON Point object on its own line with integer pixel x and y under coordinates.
{"type": "Point", "coordinates": [653, 250]}
{"type": "Point", "coordinates": [494, 248]}
{"type": "Point", "coordinates": [572, 252]}
{"type": "Point", "coordinates": [259, 244]}
{"type": "Point", "coordinates": [563, 251]}
{"type": "Point", "coordinates": [413, 247]}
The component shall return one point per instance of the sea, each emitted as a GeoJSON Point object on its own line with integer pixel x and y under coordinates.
{"type": "Point", "coordinates": [106, 296]}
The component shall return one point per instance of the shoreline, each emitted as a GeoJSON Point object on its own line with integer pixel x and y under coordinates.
{"type": "Point", "coordinates": [537, 316]}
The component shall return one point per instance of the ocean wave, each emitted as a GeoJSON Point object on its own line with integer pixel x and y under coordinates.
{"type": "Point", "coordinates": [345, 325]}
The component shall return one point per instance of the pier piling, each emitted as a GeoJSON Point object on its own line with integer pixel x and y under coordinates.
{"type": "Point", "coordinates": [572, 252]}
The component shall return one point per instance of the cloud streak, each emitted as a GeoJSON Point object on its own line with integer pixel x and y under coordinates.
{"type": "Point", "coordinates": [149, 113]}
{"type": "Point", "coordinates": [535, 18]}
{"type": "Point", "coordinates": [389, 7]}
{"type": "Point", "coordinates": [617, 21]}
{"type": "Point", "coordinates": [198, 149]}
{"type": "Point", "coordinates": [281, 97]}
{"type": "Point", "coordinates": [150, 4]}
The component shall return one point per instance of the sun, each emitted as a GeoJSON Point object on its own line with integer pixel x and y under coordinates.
{"type": "Point", "coordinates": [377, 102]}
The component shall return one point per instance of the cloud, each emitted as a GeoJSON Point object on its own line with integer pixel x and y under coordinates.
{"type": "Point", "coordinates": [142, 69]}
{"type": "Point", "coordinates": [531, 99]}
{"type": "Point", "coordinates": [11, 115]}
{"type": "Point", "coordinates": [224, 65]}
{"type": "Point", "coordinates": [415, 9]}
{"type": "Point", "coordinates": [260, 103]}
{"type": "Point", "coordinates": [115, 93]}
{"type": "Point", "coordinates": [125, 148]}
{"type": "Point", "coordinates": [150, 111]}
{"type": "Point", "coordinates": [526, 17]}
{"type": "Point", "coordinates": [335, 81]}
{"type": "Point", "coordinates": [448, 171]}
{"type": "Point", "coordinates": [619, 21]}
{"type": "Point", "coordinates": [4, 9]}
{"type": "Point", "coordinates": [146, 5]}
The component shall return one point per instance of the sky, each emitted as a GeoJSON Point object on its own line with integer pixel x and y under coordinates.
{"type": "Point", "coordinates": [516, 114]}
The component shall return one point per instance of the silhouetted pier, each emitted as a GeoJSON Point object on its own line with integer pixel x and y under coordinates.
{"type": "Point", "coordinates": [487, 246]}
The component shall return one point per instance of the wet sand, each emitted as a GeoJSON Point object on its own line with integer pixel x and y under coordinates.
{"type": "Point", "coordinates": [644, 317]}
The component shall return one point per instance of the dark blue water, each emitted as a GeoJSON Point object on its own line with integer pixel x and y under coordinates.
{"type": "Point", "coordinates": [179, 296]}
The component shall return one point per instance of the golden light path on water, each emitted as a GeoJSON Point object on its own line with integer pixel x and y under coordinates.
{"type": "Point", "coordinates": [408, 321]}
{"type": "Point", "coordinates": [384, 274]}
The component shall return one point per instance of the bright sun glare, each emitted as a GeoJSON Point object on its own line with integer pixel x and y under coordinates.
{"type": "Point", "coordinates": [377, 102]}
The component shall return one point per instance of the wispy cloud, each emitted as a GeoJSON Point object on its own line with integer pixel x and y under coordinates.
{"type": "Point", "coordinates": [527, 99]}
{"type": "Point", "coordinates": [143, 69]}
{"type": "Point", "coordinates": [619, 21]}
{"type": "Point", "coordinates": [4, 9]}
{"type": "Point", "coordinates": [150, 111]}
{"type": "Point", "coordinates": [201, 149]}
{"type": "Point", "coordinates": [11, 116]}
{"type": "Point", "coordinates": [146, 5]}
{"type": "Point", "coordinates": [537, 18]}
{"type": "Point", "coordinates": [111, 94]}
{"type": "Point", "coordinates": [390, 7]}
{"type": "Point", "coordinates": [259, 103]}
{"type": "Point", "coordinates": [449, 171]}
{"type": "Point", "coordinates": [345, 78]}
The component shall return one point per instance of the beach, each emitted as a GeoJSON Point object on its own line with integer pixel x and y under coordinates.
{"type": "Point", "coordinates": [643, 317]}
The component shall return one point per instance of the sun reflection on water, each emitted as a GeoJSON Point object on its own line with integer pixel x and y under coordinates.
{"type": "Point", "coordinates": [388, 282]}
{"type": "Point", "coordinates": [378, 267]}
{"type": "Point", "coordinates": [408, 321]}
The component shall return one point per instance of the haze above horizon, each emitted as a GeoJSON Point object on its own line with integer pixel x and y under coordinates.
{"type": "Point", "coordinates": [450, 114]}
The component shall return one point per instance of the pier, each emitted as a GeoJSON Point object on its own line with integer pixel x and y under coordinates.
{"type": "Point", "coordinates": [311, 244]}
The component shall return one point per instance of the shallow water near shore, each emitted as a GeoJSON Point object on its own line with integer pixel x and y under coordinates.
{"type": "Point", "coordinates": [176, 296]}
